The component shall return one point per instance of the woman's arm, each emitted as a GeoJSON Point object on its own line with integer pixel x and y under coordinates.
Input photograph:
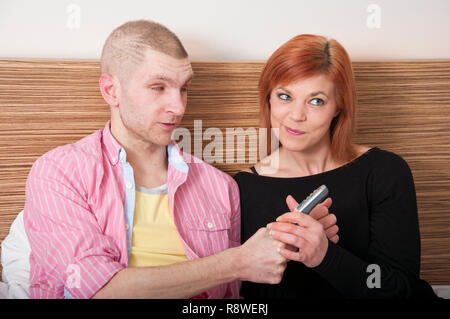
{"type": "Point", "coordinates": [391, 267]}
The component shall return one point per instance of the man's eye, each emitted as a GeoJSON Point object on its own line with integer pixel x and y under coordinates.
{"type": "Point", "coordinates": [184, 89]}
{"type": "Point", "coordinates": [284, 97]}
{"type": "Point", "coordinates": [317, 102]}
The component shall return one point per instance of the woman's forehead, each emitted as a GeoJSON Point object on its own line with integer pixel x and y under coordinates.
{"type": "Point", "coordinates": [318, 82]}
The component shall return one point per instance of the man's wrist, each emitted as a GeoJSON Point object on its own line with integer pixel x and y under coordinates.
{"type": "Point", "coordinates": [234, 261]}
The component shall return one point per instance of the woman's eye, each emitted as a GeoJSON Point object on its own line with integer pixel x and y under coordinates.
{"type": "Point", "coordinates": [317, 102]}
{"type": "Point", "coordinates": [158, 88]}
{"type": "Point", "coordinates": [284, 97]}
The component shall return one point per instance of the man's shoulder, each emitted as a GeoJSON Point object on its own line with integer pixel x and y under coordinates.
{"type": "Point", "coordinates": [205, 168]}
{"type": "Point", "coordinates": [212, 182]}
{"type": "Point", "coordinates": [86, 150]}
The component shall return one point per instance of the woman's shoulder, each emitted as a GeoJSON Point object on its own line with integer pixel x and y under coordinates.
{"type": "Point", "coordinates": [265, 164]}
{"type": "Point", "coordinates": [387, 166]}
{"type": "Point", "coordinates": [386, 158]}
{"type": "Point", "coordinates": [242, 175]}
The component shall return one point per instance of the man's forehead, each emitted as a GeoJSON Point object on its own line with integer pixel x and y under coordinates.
{"type": "Point", "coordinates": [162, 66]}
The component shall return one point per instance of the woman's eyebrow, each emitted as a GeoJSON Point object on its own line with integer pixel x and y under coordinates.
{"type": "Point", "coordinates": [283, 89]}
{"type": "Point", "coordinates": [312, 94]}
{"type": "Point", "coordinates": [317, 93]}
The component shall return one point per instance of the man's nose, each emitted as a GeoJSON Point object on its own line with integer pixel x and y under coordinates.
{"type": "Point", "coordinates": [177, 103]}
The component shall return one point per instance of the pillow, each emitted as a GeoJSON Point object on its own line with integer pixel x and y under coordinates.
{"type": "Point", "coordinates": [15, 261]}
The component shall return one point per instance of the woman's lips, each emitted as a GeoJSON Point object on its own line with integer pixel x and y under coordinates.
{"type": "Point", "coordinates": [293, 132]}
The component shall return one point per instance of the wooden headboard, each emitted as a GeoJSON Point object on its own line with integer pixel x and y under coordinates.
{"type": "Point", "coordinates": [403, 107]}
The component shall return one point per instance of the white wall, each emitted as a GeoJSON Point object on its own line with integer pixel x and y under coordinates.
{"type": "Point", "coordinates": [229, 29]}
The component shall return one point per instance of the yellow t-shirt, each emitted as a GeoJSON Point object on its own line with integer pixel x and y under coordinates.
{"type": "Point", "coordinates": [155, 240]}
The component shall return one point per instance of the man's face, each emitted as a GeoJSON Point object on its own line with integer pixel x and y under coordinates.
{"type": "Point", "coordinates": [153, 97]}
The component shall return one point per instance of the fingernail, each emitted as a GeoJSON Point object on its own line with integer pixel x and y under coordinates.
{"type": "Point", "coordinates": [278, 249]}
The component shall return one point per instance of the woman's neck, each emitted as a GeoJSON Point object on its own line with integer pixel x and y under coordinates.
{"type": "Point", "coordinates": [294, 163]}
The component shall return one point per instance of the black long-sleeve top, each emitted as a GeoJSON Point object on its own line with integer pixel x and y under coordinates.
{"type": "Point", "coordinates": [374, 201]}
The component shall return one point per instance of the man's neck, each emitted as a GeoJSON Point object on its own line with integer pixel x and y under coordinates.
{"type": "Point", "coordinates": [149, 161]}
{"type": "Point", "coordinates": [149, 165]}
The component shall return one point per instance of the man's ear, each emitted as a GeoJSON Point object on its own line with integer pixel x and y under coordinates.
{"type": "Point", "coordinates": [109, 89]}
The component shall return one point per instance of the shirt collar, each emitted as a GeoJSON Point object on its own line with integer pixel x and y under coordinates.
{"type": "Point", "coordinates": [176, 157]}
{"type": "Point", "coordinates": [111, 145]}
{"type": "Point", "coordinates": [115, 151]}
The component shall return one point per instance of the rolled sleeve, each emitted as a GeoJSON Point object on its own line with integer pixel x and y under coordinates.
{"type": "Point", "coordinates": [235, 234]}
{"type": "Point", "coordinates": [68, 248]}
{"type": "Point", "coordinates": [235, 230]}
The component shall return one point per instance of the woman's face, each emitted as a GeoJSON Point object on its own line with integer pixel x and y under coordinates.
{"type": "Point", "coordinates": [303, 111]}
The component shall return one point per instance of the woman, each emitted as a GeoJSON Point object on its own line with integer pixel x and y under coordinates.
{"type": "Point", "coordinates": [307, 95]}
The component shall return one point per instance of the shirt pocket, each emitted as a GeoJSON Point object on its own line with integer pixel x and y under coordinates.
{"type": "Point", "coordinates": [208, 235]}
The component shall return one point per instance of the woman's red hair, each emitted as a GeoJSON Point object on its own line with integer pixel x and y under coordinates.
{"type": "Point", "coordinates": [304, 56]}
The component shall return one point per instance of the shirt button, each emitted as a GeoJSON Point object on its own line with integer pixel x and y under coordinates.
{"type": "Point", "coordinates": [210, 225]}
{"type": "Point", "coordinates": [114, 161]}
{"type": "Point", "coordinates": [127, 226]}
{"type": "Point", "coordinates": [122, 155]}
{"type": "Point", "coordinates": [129, 185]}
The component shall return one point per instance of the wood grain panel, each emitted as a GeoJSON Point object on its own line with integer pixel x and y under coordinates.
{"type": "Point", "coordinates": [403, 106]}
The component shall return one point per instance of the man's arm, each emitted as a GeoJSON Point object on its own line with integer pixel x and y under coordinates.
{"type": "Point", "coordinates": [68, 247]}
{"type": "Point", "coordinates": [67, 242]}
{"type": "Point", "coordinates": [234, 233]}
{"type": "Point", "coordinates": [257, 260]}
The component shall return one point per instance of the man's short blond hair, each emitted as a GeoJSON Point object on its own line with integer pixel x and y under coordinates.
{"type": "Point", "coordinates": [125, 47]}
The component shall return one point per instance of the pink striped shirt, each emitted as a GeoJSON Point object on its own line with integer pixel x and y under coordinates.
{"type": "Point", "coordinates": [75, 215]}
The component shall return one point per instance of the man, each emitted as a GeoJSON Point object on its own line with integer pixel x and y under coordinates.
{"type": "Point", "coordinates": [123, 213]}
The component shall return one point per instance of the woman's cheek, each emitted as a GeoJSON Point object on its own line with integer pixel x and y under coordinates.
{"type": "Point", "coordinates": [274, 122]}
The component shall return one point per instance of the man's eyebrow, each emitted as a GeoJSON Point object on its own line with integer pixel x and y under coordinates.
{"type": "Point", "coordinates": [189, 78]}
{"type": "Point", "coordinates": [165, 78]}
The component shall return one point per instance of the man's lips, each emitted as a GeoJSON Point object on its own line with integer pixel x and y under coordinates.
{"type": "Point", "coordinates": [168, 126]}
{"type": "Point", "coordinates": [293, 132]}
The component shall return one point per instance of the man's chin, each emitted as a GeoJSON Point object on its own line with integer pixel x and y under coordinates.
{"type": "Point", "coordinates": [163, 141]}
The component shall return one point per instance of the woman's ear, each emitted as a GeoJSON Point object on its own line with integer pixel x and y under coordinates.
{"type": "Point", "coordinates": [337, 113]}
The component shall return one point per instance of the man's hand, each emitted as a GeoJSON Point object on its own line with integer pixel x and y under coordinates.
{"type": "Point", "coordinates": [305, 234]}
{"type": "Point", "coordinates": [322, 215]}
{"type": "Point", "coordinates": [260, 260]}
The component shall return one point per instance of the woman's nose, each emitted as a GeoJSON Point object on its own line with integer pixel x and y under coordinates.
{"type": "Point", "coordinates": [298, 112]}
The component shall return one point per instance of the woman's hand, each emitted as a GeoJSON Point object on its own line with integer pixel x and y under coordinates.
{"type": "Point", "coordinates": [303, 232]}
{"type": "Point", "coordinates": [322, 215]}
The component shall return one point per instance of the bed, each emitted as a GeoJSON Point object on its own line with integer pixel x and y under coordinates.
{"type": "Point", "coordinates": [403, 106]}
